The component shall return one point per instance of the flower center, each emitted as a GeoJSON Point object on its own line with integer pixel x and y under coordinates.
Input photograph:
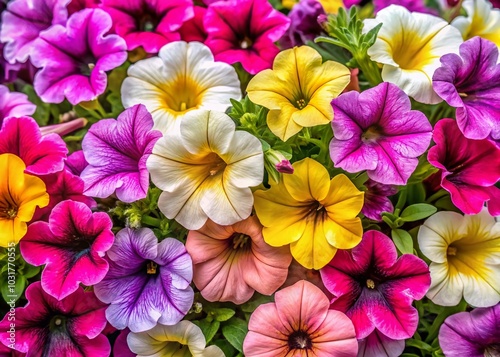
{"type": "Point", "coordinates": [300, 103]}
{"type": "Point", "coordinates": [410, 50]}
{"type": "Point", "coordinates": [57, 322]}
{"type": "Point", "coordinates": [152, 268]}
{"type": "Point", "coordinates": [182, 95]}
{"type": "Point", "coordinates": [451, 250]}
{"type": "Point", "coordinates": [10, 212]}
{"type": "Point", "coordinates": [215, 164]}
{"type": "Point", "coordinates": [246, 43]}
{"type": "Point", "coordinates": [148, 22]}
{"type": "Point", "coordinates": [372, 133]}
{"type": "Point", "coordinates": [299, 340]}
{"type": "Point", "coordinates": [370, 284]}
{"type": "Point", "coordinates": [492, 350]}
{"type": "Point", "coordinates": [240, 241]}
{"type": "Point", "coordinates": [87, 65]}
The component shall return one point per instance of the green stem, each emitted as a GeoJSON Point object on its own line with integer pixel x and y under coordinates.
{"type": "Point", "coordinates": [369, 69]}
{"type": "Point", "coordinates": [434, 197]}
{"type": "Point", "coordinates": [151, 221]}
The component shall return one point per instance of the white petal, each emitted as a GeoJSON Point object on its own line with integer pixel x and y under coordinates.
{"type": "Point", "coordinates": [482, 290]}
{"type": "Point", "coordinates": [446, 287]}
{"type": "Point", "coordinates": [183, 205]}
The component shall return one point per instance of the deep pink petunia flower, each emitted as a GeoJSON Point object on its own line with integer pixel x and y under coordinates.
{"type": "Point", "coordinates": [9, 352]}
{"type": "Point", "coordinates": [47, 327]}
{"type": "Point", "coordinates": [472, 334]}
{"type": "Point", "coordinates": [245, 31]}
{"type": "Point", "coordinates": [77, 5]}
{"type": "Point", "coordinates": [148, 23]}
{"type": "Point", "coordinates": [471, 83]}
{"type": "Point", "coordinates": [42, 154]}
{"type": "Point", "coordinates": [375, 289]}
{"type": "Point", "coordinates": [469, 168]}
{"type": "Point", "coordinates": [232, 262]}
{"type": "Point", "coordinates": [148, 282]}
{"type": "Point", "coordinates": [76, 162]}
{"type": "Point", "coordinates": [13, 104]}
{"type": "Point", "coordinates": [377, 199]}
{"type": "Point", "coordinates": [193, 29]}
{"type": "Point", "coordinates": [71, 245]}
{"type": "Point", "coordinates": [377, 344]}
{"type": "Point", "coordinates": [74, 58]}
{"type": "Point", "coordinates": [24, 21]}
{"type": "Point", "coordinates": [116, 151]}
{"type": "Point", "coordinates": [299, 323]}
{"type": "Point", "coordinates": [376, 131]}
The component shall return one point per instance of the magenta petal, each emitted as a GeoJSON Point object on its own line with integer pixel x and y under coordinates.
{"type": "Point", "coordinates": [13, 104]}
{"type": "Point", "coordinates": [378, 345]}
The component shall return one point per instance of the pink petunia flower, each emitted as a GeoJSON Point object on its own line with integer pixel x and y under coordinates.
{"type": "Point", "coordinates": [47, 327]}
{"type": "Point", "coordinates": [299, 323]}
{"type": "Point", "coordinates": [193, 29]}
{"type": "Point", "coordinates": [24, 21]}
{"type": "Point", "coordinates": [375, 289]}
{"type": "Point", "coordinates": [469, 168]}
{"type": "Point", "coordinates": [42, 154]}
{"type": "Point", "coordinates": [231, 262]}
{"type": "Point", "coordinates": [245, 31]}
{"type": "Point", "coordinates": [148, 23]}
{"type": "Point", "coordinates": [376, 131]}
{"type": "Point", "coordinates": [71, 245]}
{"type": "Point", "coordinates": [13, 104]}
{"type": "Point", "coordinates": [116, 151]}
{"type": "Point", "coordinates": [73, 59]}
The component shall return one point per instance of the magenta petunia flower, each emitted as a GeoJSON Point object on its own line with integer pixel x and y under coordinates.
{"type": "Point", "coordinates": [471, 83]}
{"type": "Point", "coordinates": [13, 104]}
{"type": "Point", "coordinates": [193, 29]}
{"type": "Point", "coordinates": [77, 5]}
{"type": "Point", "coordinates": [120, 347]}
{"type": "Point", "coordinates": [245, 31]}
{"type": "Point", "coordinates": [299, 323]}
{"type": "Point", "coordinates": [375, 289]}
{"type": "Point", "coordinates": [469, 168]}
{"type": "Point", "coordinates": [232, 262]}
{"type": "Point", "coordinates": [147, 282]}
{"type": "Point", "coordinates": [377, 199]}
{"type": "Point", "coordinates": [76, 162]}
{"type": "Point", "coordinates": [48, 327]}
{"type": "Point", "coordinates": [24, 21]}
{"type": "Point", "coordinates": [304, 24]}
{"type": "Point", "coordinates": [376, 131]}
{"type": "Point", "coordinates": [42, 154]}
{"type": "Point", "coordinates": [411, 5]}
{"type": "Point", "coordinates": [9, 352]}
{"type": "Point", "coordinates": [74, 58]}
{"type": "Point", "coordinates": [472, 334]}
{"type": "Point", "coordinates": [116, 151]}
{"type": "Point", "coordinates": [148, 23]}
{"type": "Point", "coordinates": [376, 344]}
{"type": "Point", "coordinates": [71, 245]}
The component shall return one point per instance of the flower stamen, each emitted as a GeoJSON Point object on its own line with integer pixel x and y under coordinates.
{"type": "Point", "coordinates": [451, 251]}
{"type": "Point", "coordinates": [240, 241]}
{"type": "Point", "coordinates": [370, 284]}
{"type": "Point", "coordinates": [301, 103]}
{"type": "Point", "coordinates": [299, 340]}
{"type": "Point", "coordinates": [151, 268]}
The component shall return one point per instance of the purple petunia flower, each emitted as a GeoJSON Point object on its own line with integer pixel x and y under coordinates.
{"type": "Point", "coordinates": [71, 245]}
{"type": "Point", "coordinates": [472, 334]}
{"type": "Point", "coordinates": [411, 5]}
{"type": "Point", "coordinates": [304, 24]}
{"type": "Point", "coordinates": [74, 58]}
{"type": "Point", "coordinates": [147, 282]}
{"type": "Point", "coordinates": [375, 289]}
{"type": "Point", "coordinates": [471, 83]}
{"type": "Point", "coordinates": [376, 131]}
{"type": "Point", "coordinates": [42, 154]}
{"type": "Point", "coordinates": [116, 151]}
{"type": "Point", "coordinates": [47, 327]}
{"type": "Point", "coordinates": [76, 162]}
{"type": "Point", "coordinates": [377, 199]}
{"type": "Point", "coordinates": [13, 104]}
{"type": "Point", "coordinates": [24, 21]}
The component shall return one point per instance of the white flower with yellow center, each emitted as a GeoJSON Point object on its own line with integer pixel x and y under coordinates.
{"type": "Point", "coordinates": [482, 20]}
{"type": "Point", "coordinates": [465, 255]}
{"type": "Point", "coordinates": [183, 77]}
{"type": "Point", "coordinates": [206, 169]}
{"type": "Point", "coordinates": [409, 46]}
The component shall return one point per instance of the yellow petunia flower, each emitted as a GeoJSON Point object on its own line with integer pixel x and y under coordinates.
{"type": "Point", "coordinates": [20, 194]}
{"type": "Point", "coordinates": [312, 213]}
{"type": "Point", "coordinates": [298, 90]}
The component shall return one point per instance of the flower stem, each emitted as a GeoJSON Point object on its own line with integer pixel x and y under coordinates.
{"type": "Point", "coordinates": [437, 195]}
{"type": "Point", "coordinates": [151, 221]}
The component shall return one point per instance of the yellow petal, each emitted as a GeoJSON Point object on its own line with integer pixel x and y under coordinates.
{"type": "Point", "coordinates": [281, 124]}
{"type": "Point", "coordinates": [12, 231]}
{"type": "Point", "coordinates": [344, 200]}
{"type": "Point", "coordinates": [268, 90]}
{"type": "Point", "coordinates": [345, 234]}
{"type": "Point", "coordinates": [309, 182]}
{"type": "Point", "coordinates": [311, 116]}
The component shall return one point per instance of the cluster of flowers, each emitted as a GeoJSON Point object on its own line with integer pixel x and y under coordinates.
{"type": "Point", "coordinates": [250, 178]}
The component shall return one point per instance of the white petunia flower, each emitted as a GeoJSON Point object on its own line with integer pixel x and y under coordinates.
{"type": "Point", "coordinates": [205, 170]}
{"type": "Point", "coordinates": [409, 46]}
{"type": "Point", "coordinates": [183, 77]}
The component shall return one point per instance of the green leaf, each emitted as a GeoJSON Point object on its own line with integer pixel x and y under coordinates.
{"type": "Point", "coordinates": [226, 347]}
{"type": "Point", "coordinates": [417, 211]}
{"type": "Point", "coordinates": [403, 241]}
{"type": "Point", "coordinates": [42, 113]}
{"type": "Point", "coordinates": [419, 344]}
{"type": "Point", "coordinates": [223, 314]}
{"type": "Point", "coordinates": [416, 193]}
{"type": "Point", "coordinates": [251, 305]}
{"type": "Point", "coordinates": [235, 331]}
{"type": "Point", "coordinates": [209, 329]}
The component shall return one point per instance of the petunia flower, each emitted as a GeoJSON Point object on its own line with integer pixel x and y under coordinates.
{"type": "Point", "coordinates": [482, 20]}
{"type": "Point", "coordinates": [24, 21]}
{"type": "Point", "coordinates": [231, 262]}
{"type": "Point", "coordinates": [469, 168]}
{"type": "Point", "coordinates": [42, 155]}
{"type": "Point", "coordinates": [471, 83]}
{"type": "Point", "coordinates": [9, 352]}
{"type": "Point", "coordinates": [46, 326]}
{"type": "Point", "coordinates": [76, 162]}
{"type": "Point", "coordinates": [77, 5]}
{"type": "Point", "coordinates": [71, 245]}
{"type": "Point", "coordinates": [148, 23]}
{"type": "Point", "coordinates": [120, 347]}
{"type": "Point", "coordinates": [304, 24]}
{"type": "Point", "coordinates": [116, 151]}
{"type": "Point", "coordinates": [298, 90]}
{"type": "Point", "coordinates": [244, 31]}
{"type": "Point", "coordinates": [181, 339]}
{"type": "Point", "coordinates": [193, 29]}
{"type": "Point", "coordinates": [184, 77]}
{"type": "Point", "coordinates": [377, 131]}
{"type": "Point", "coordinates": [312, 213]}
{"type": "Point", "coordinates": [206, 170]}
{"type": "Point", "coordinates": [73, 59]}
{"type": "Point", "coordinates": [375, 288]}
{"type": "Point", "coordinates": [299, 323]}
{"type": "Point", "coordinates": [20, 194]}
{"type": "Point", "coordinates": [377, 200]}
{"type": "Point", "coordinates": [147, 282]}
{"type": "Point", "coordinates": [376, 344]}
{"type": "Point", "coordinates": [13, 104]}
{"type": "Point", "coordinates": [472, 334]}
{"type": "Point", "coordinates": [64, 128]}
{"type": "Point", "coordinates": [411, 5]}
{"type": "Point", "coordinates": [465, 258]}
{"type": "Point", "coordinates": [409, 46]}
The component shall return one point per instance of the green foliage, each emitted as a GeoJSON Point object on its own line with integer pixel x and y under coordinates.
{"type": "Point", "coordinates": [235, 331]}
